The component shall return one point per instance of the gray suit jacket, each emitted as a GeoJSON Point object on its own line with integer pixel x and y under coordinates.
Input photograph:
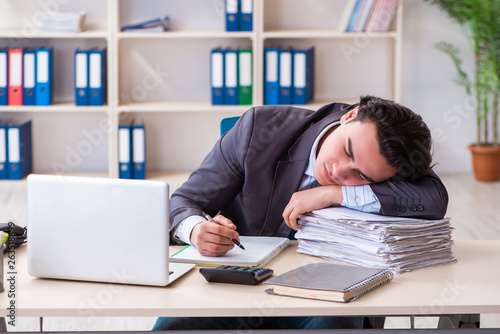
{"type": "Point", "coordinates": [253, 170]}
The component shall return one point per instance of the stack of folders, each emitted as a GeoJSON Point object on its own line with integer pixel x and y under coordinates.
{"type": "Point", "coordinates": [369, 240]}
{"type": "Point", "coordinates": [26, 77]}
{"type": "Point", "coordinates": [159, 24]}
{"type": "Point", "coordinates": [132, 151]}
{"type": "Point", "coordinates": [63, 22]}
{"type": "Point", "coordinates": [288, 76]}
{"type": "Point", "coordinates": [368, 15]}
{"type": "Point", "coordinates": [90, 77]}
{"type": "Point", "coordinates": [15, 150]}
{"type": "Point", "coordinates": [239, 15]}
{"type": "Point", "coordinates": [231, 76]}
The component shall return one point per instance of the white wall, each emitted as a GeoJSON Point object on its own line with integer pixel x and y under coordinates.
{"type": "Point", "coordinates": [428, 87]}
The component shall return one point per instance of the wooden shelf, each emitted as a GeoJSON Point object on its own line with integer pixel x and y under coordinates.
{"type": "Point", "coordinates": [57, 107]}
{"type": "Point", "coordinates": [51, 34]}
{"type": "Point", "coordinates": [181, 34]}
{"type": "Point", "coordinates": [323, 33]}
{"type": "Point", "coordinates": [180, 106]}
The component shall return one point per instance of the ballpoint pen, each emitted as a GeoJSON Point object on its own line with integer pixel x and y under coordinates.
{"type": "Point", "coordinates": [236, 242]}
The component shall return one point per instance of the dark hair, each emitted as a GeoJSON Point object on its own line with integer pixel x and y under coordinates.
{"type": "Point", "coordinates": [404, 139]}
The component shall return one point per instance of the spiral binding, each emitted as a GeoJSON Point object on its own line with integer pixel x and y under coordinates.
{"type": "Point", "coordinates": [370, 283]}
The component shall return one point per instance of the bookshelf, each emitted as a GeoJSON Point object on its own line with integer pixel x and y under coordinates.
{"type": "Point", "coordinates": [163, 78]}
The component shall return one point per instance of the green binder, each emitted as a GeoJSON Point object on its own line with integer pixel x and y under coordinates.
{"type": "Point", "coordinates": [245, 74]}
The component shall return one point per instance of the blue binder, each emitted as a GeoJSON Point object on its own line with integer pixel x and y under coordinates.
{"type": "Point", "coordinates": [4, 77]}
{"type": "Point", "coordinates": [303, 76]}
{"type": "Point", "coordinates": [138, 151]}
{"type": "Point", "coordinates": [19, 150]}
{"type": "Point", "coordinates": [97, 77]}
{"type": "Point", "coordinates": [3, 151]}
{"type": "Point", "coordinates": [286, 76]}
{"type": "Point", "coordinates": [29, 77]}
{"type": "Point", "coordinates": [271, 76]}
{"type": "Point", "coordinates": [125, 151]}
{"type": "Point", "coordinates": [231, 76]}
{"type": "Point", "coordinates": [81, 78]}
{"type": "Point", "coordinates": [217, 76]}
{"type": "Point", "coordinates": [43, 83]}
{"type": "Point", "coordinates": [246, 15]}
{"type": "Point", "coordinates": [232, 15]}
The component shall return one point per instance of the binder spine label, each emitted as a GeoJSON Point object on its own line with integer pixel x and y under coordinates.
{"type": "Point", "coordinates": [14, 148]}
{"type": "Point", "coordinates": [81, 70]}
{"type": "Point", "coordinates": [95, 71]}
{"type": "Point", "coordinates": [3, 70]}
{"type": "Point", "coordinates": [3, 149]}
{"type": "Point", "coordinates": [16, 62]}
{"type": "Point", "coordinates": [138, 144]}
{"type": "Point", "coordinates": [124, 148]}
{"type": "Point", "coordinates": [29, 70]}
{"type": "Point", "coordinates": [246, 71]}
{"type": "Point", "coordinates": [42, 68]}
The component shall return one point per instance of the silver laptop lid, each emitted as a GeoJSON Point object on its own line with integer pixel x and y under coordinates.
{"type": "Point", "coordinates": [98, 229]}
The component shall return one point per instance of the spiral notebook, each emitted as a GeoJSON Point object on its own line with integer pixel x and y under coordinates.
{"type": "Point", "coordinates": [258, 251]}
{"type": "Point", "coordinates": [329, 281]}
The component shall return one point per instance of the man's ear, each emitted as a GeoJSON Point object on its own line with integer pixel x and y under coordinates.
{"type": "Point", "coordinates": [351, 114]}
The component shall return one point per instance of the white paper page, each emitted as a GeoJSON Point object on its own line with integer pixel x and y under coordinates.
{"type": "Point", "coordinates": [256, 250]}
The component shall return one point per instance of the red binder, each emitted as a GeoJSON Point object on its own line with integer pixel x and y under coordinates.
{"type": "Point", "coordinates": [15, 77]}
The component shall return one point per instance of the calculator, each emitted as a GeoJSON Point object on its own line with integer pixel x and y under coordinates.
{"type": "Point", "coordinates": [236, 274]}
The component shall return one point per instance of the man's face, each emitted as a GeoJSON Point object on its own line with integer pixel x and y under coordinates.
{"type": "Point", "coordinates": [350, 155]}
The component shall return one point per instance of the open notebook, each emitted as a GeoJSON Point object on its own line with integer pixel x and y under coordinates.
{"type": "Point", "coordinates": [258, 251]}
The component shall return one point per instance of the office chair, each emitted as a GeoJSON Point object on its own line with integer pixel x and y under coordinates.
{"type": "Point", "coordinates": [227, 123]}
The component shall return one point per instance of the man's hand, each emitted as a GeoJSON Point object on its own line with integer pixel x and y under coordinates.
{"type": "Point", "coordinates": [311, 199]}
{"type": "Point", "coordinates": [213, 239]}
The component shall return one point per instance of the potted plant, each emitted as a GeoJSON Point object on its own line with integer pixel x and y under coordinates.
{"type": "Point", "coordinates": [481, 22]}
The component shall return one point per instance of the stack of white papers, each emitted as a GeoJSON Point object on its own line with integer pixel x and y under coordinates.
{"type": "Point", "coordinates": [64, 22]}
{"type": "Point", "coordinates": [369, 240]}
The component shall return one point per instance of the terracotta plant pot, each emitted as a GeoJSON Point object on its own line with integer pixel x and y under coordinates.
{"type": "Point", "coordinates": [486, 162]}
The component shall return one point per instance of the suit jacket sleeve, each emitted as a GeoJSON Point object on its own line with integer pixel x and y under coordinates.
{"type": "Point", "coordinates": [218, 179]}
{"type": "Point", "coordinates": [427, 198]}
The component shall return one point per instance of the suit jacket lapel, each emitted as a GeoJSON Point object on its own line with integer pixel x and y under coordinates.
{"type": "Point", "coordinates": [289, 173]}
{"type": "Point", "coordinates": [286, 181]}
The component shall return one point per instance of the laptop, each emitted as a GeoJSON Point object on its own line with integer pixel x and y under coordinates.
{"type": "Point", "coordinates": [100, 229]}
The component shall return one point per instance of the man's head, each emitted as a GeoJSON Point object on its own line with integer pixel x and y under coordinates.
{"type": "Point", "coordinates": [377, 140]}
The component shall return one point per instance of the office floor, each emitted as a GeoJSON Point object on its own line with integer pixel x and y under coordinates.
{"type": "Point", "coordinates": [472, 208]}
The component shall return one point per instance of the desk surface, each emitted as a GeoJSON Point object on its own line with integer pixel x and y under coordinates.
{"type": "Point", "coordinates": [469, 286]}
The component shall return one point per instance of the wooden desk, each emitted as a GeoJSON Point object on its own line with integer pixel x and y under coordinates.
{"type": "Point", "coordinates": [469, 286]}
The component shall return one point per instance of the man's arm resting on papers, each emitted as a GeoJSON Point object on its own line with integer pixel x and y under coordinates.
{"type": "Point", "coordinates": [309, 200]}
{"type": "Point", "coordinates": [426, 198]}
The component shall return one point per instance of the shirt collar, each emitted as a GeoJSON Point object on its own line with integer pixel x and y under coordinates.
{"type": "Point", "coordinates": [312, 154]}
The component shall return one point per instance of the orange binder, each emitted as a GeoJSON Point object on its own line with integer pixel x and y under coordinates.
{"type": "Point", "coordinates": [15, 77]}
